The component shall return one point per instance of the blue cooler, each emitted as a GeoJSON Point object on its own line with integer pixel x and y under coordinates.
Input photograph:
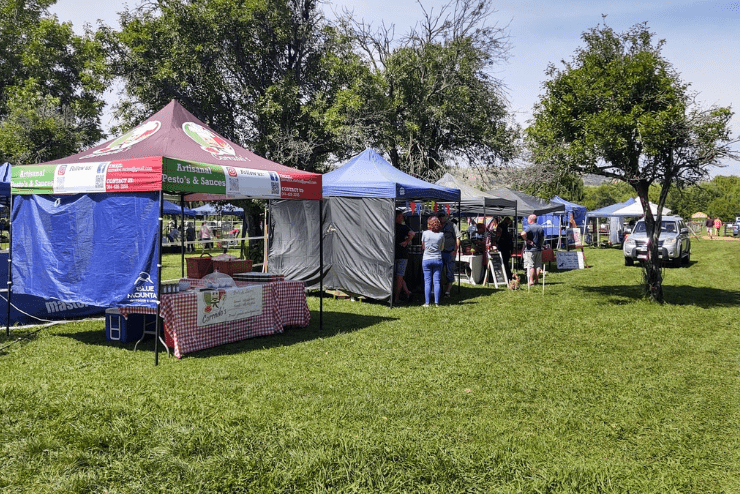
{"type": "Point", "coordinates": [118, 328]}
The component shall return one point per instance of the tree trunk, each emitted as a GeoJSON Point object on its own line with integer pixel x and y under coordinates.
{"type": "Point", "coordinates": [653, 277]}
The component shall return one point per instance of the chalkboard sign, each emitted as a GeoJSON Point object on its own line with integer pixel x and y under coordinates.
{"type": "Point", "coordinates": [496, 265]}
{"type": "Point", "coordinates": [570, 260]}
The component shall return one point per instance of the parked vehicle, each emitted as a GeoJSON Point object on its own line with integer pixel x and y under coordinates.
{"type": "Point", "coordinates": [736, 227]}
{"type": "Point", "coordinates": [674, 244]}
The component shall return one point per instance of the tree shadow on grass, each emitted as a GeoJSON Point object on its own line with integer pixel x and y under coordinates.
{"type": "Point", "coordinates": [674, 295]}
{"type": "Point", "coordinates": [334, 323]}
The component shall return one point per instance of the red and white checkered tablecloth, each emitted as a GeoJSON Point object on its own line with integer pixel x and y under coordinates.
{"type": "Point", "coordinates": [283, 303]}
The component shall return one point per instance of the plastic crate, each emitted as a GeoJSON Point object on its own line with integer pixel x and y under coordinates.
{"type": "Point", "coordinates": [126, 330]}
{"type": "Point", "coordinates": [198, 267]}
{"type": "Point", "coordinates": [233, 267]}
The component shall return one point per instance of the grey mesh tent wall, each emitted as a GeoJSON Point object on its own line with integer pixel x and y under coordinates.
{"type": "Point", "coordinates": [358, 212]}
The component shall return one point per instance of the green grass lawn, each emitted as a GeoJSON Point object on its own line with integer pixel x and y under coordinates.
{"type": "Point", "coordinates": [585, 389]}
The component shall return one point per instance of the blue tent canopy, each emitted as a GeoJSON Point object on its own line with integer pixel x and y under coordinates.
{"type": "Point", "coordinates": [369, 175]}
{"type": "Point", "coordinates": [211, 210]}
{"type": "Point", "coordinates": [169, 207]}
{"type": "Point", "coordinates": [5, 170]}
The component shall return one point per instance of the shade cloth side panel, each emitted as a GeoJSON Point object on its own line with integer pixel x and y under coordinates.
{"type": "Point", "coordinates": [294, 240]}
{"type": "Point", "coordinates": [362, 234]}
{"type": "Point", "coordinates": [94, 249]}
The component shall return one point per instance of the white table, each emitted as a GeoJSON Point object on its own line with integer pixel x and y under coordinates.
{"type": "Point", "coordinates": [477, 268]}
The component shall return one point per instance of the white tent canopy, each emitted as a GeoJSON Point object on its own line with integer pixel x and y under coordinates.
{"type": "Point", "coordinates": [635, 209]}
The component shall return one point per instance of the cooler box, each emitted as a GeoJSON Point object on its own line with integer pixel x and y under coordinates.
{"type": "Point", "coordinates": [117, 328]}
{"type": "Point", "coordinates": [198, 267]}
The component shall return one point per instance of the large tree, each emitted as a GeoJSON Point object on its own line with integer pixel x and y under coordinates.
{"type": "Point", "coordinates": [435, 102]}
{"type": "Point", "coordinates": [619, 109]}
{"type": "Point", "coordinates": [51, 84]}
{"type": "Point", "coordinates": [263, 73]}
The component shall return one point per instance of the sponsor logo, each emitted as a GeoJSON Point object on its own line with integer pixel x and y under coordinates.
{"type": "Point", "coordinates": [231, 171]}
{"type": "Point", "coordinates": [133, 136]}
{"type": "Point", "coordinates": [209, 141]}
{"type": "Point", "coordinates": [62, 169]}
{"type": "Point", "coordinates": [144, 289]}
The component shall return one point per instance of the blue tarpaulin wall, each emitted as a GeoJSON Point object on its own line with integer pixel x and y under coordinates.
{"type": "Point", "coordinates": [93, 249]}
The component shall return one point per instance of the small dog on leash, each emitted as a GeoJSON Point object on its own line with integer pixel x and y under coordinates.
{"type": "Point", "coordinates": [514, 283]}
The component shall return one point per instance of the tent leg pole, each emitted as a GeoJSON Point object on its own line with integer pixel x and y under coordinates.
{"type": "Point", "coordinates": [182, 235]}
{"type": "Point", "coordinates": [159, 279]}
{"type": "Point", "coordinates": [459, 258]}
{"type": "Point", "coordinates": [321, 264]}
{"type": "Point", "coordinates": [10, 263]}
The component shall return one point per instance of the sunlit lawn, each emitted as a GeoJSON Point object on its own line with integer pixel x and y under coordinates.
{"type": "Point", "coordinates": [583, 389]}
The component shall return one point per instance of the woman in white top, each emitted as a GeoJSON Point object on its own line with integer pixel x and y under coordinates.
{"type": "Point", "coordinates": [432, 241]}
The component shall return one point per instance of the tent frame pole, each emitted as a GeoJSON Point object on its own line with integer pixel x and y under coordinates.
{"type": "Point", "coordinates": [321, 263]}
{"type": "Point", "coordinates": [158, 237]}
{"type": "Point", "coordinates": [10, 262]}
{"type": "Point", "coordinates": [182, 235]}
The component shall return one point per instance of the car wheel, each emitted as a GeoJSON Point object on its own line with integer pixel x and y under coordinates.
{"type": "Point", "coordinates": [628, 261]}
{"type": "Point", "coordinates": [687, 259]}
{"type": "Point", "coordinates": [677, 261]}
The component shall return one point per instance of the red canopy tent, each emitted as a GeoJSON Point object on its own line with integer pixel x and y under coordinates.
{"type": "Point", "coordinates": [170, 152]}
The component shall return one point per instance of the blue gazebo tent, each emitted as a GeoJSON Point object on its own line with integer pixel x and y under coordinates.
{"type": "Point", "coordinates": [553, 222]}
{"type": "Point", "coordinates": [358, 213]}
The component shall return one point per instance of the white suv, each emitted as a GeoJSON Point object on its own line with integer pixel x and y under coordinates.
{"type": "Point", "coordinates": [674, 243]}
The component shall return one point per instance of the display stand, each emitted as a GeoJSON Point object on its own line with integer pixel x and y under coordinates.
{"type": "Point", "coordinates": [496, 268]}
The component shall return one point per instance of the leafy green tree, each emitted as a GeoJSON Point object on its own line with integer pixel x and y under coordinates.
{"type": "Point", "coordinates": [265, 73]}
{"type": "Point", "coordinates": [434, 102]}
{"type": "Point", "coordinates": [620, 110]}
{"type": "Point", "coordinates": [51, 82]}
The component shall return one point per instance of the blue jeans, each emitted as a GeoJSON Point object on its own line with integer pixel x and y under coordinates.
{"type": "Point", "coordinates": [448, 259]}
{"type": "Point", "coordinates": [432, 273]}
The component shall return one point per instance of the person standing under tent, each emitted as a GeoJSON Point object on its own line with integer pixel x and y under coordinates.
{"type": "Point", "coordinates": [432, 241]}
{"type": "Point", "coordinates": [452, 242]}
{"type": "Point", "coordinates": [717, 226]}
{"type": "Point", "coordinates": [505, 243]}
{"type": "Point", "coordinates": [404, 236]}
{"type": "Point", "coordinates": [190, 237]}
{"type": "Point", "coordinates": [534, 236]}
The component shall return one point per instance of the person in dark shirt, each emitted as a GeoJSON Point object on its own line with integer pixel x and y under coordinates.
{"type": "Point", "coordinates": [404, 235]}
{"type": "Point", "coordinates": [534, 236]}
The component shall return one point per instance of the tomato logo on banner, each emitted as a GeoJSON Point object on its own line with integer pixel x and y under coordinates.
{"type": "Point", "coordinates": [231, 171]}
{"type": "Point", "coordinates": [61, 169]}
{"type": "Point", "coordinates": [209, 141]}
{"type": "Point", "coordinates": [134, 136]}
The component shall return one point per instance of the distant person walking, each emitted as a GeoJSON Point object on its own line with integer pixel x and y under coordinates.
{"type": "Point", "coordinates": [717, 226]}
{"type": "Point", "coordinates": [709, 224]}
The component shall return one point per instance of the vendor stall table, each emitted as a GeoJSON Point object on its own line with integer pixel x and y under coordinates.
{"type": "Point", "coordinates": [476, 265]}
{"type": "Point", "coordinates": [283, 304]}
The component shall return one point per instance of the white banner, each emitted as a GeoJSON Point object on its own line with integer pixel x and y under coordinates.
{"type": "Point", "coordinates": [229, 304]}
{"type": "Point", "coordinates": [253, 183]}
{"type": "Point", "coordinates": [80, 178]}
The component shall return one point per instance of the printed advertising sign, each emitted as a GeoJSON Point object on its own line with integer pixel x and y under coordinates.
{"type": "Point", "coordinates": [140, 175]}
{"type": "Point", "coordinates": [229, 304]}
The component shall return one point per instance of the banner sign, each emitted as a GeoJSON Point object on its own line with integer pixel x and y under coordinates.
{"type": "Point", "coordinates": [570, 260]}
{"type": "Point", "coordinates": [139, 175]}
{"type": "Point", "coordinates": [232, 181]}
{"type": "Point", "coordinates": [229, 304]}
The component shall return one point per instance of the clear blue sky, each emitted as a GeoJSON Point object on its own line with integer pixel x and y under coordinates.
{"type": "Point", "coordinates": [701, 38]}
